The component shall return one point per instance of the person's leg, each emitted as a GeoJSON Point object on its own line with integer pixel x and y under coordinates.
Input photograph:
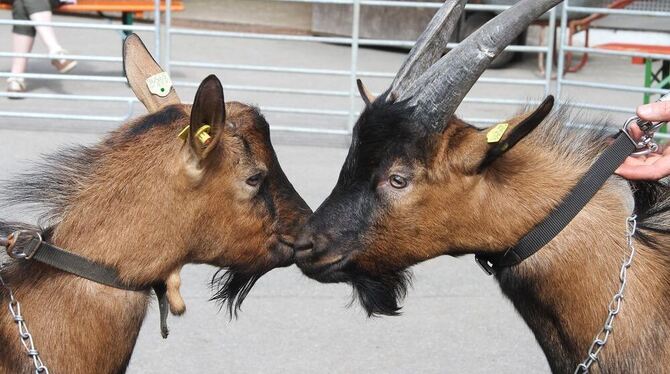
{"type": "Point", "coordinates": [46, 32]}
{"type": "Point", "coordinates": [41, 11]}
{"type": "Point", "coordinates": [23, 38]}
{"type": "Point", "coordinates": [21, 44]}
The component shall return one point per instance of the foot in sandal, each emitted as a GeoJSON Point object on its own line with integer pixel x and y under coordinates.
{"type": "Point", "coordinates": [63, 65]}
{"type": "Point", "coordinates": [16, 85]}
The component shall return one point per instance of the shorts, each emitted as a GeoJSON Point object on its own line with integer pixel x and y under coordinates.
{"type": "Point", "coordinates": [23, 9]}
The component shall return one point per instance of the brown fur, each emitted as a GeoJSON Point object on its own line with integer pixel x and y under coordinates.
{"type": "Point", "coordinates": [147, 208]}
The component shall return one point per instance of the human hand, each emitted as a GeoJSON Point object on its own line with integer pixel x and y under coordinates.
{"type": "Point", "coordinates": [653, 166]}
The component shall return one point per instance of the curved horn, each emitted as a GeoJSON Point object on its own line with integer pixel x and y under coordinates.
{"type": "Point", "coordinates": [429, 47]}
{"type": "Point", "coordinates": [440, 90]}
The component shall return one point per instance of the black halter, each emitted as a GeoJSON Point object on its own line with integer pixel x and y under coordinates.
{"type": "Point", "coordinates": [28, 245]}
{"type": "Point", "coordinates": [560, 217]}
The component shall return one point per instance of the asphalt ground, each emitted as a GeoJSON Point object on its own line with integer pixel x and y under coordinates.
{"type": "Point", "coordinates": [454, 320]}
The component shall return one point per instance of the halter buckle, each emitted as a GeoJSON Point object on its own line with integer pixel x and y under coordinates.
{"type": "Point", "coordinates": [23, 244]}
{"type": "Point", "coordinates": [485, 264]}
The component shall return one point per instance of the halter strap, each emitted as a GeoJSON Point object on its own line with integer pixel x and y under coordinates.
{"type": "Point", "coordinates": [565, 212]}
{"type": "Point", "coordinates": [28, 245]}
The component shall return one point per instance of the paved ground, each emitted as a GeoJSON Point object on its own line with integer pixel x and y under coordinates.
{"type": "Point", "coordinates": [455, 318]}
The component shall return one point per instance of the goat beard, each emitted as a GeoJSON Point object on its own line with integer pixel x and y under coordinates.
{"type": "Point", "coordinates": [381, 294]}
{"type": "Point", "coordinates": [233, 286]}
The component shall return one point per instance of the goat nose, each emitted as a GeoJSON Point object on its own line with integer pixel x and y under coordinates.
{"type": "Point", "coordinates": [304, 242]}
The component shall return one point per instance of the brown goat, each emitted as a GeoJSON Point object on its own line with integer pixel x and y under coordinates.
{"type": "Point", "coordinates": [420, 183]}
{"type": "Point", "coordinates": [145, 202]}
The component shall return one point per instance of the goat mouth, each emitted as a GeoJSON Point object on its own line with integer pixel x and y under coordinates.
{"type": "Point", "coordinates": [326, 269]}
{"type": "Point", "coordinates": [283, 255]}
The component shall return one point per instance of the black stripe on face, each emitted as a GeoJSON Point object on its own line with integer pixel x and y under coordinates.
{"type": "Point", "coordinates": [266, 195]}
{"type": "Point", "coordinates": [247, 148]}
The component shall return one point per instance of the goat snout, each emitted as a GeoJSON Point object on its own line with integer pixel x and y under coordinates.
{"type": "Point", "coordinates": [303, 245]}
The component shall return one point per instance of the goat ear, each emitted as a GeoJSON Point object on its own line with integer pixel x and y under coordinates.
{"type": "Point", "coordinates": [149, 82]}
{"type": "Point", "coordinates": [208, 116]}
{"type": "Point", "coordinates": [520, 131]}
{"type": "Point", "coordinates": [367, 96]}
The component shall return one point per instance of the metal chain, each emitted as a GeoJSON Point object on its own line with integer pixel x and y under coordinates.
{"type": "Point", "coordinates": [25, 336]}
{"type": "Point", "coordinates": [614, 306]}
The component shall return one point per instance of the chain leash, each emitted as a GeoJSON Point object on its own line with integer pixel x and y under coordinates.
{"type": "Point", "coordinates": [614, 306]}
{"type": "Point", "coordinates": [25, 336]}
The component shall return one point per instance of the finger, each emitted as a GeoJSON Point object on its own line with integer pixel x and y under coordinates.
{"type": "Point", "coordinates": [655, 112]}
{"type": "Point", "coordinates": [640, 172]}
{"type": "Point", "coordinates": [635, 132]}
{"type": "Point", "coordinates": [635, 161]}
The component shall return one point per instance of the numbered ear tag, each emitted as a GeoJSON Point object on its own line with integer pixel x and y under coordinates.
{"type": "Point", "coordinates": [159, 84]}
{"type": "Point", "coordinates": [496, 133]}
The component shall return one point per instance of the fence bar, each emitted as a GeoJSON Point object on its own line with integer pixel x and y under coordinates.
{"type": "Point", "coordinates": [31, 95]}
{"type": "Point", "coordinates": [269, 89]}
{"type": "Point", "coordinates": [264, 68]}
{"type": "Point", "coordinates": [604, 108]}
{"type": "Point", "coordinates": [615, 87]}
{"type": "Point", "coordinates": [561, 53]}
{"type": "Point", "coordinates": [549, 66]}
{"type": "Point", "coordinates": [157, 30]}
{"type": "Point", "coordinates": [90, 78]}
{"type": "Point", "coordinates": [63, 116]}
{"type": "Point", "coordinates": [355, 29]}
{"type": "Point", "coordinates": [76, 25]}
{"type": "Point", "coordinates": [168, 36]}
{"type": "Point", "coordinates": [309, 130]}
{"type": "Point", "coordinates": [49, 57]}
{"type": "Point", "coordinates": [621, 12]}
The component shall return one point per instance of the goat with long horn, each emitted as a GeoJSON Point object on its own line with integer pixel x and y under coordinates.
{"type": "Point", "coordinates": [419, 183]}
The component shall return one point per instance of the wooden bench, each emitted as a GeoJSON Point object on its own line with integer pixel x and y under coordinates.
{"type": "Point", "coordinates": [129, 9]}
{"type": "Point", "coordinates": [659, 78]}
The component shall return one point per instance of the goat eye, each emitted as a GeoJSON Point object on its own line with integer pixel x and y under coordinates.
{"type": "Point", "coordinates": [255, 180]}
{"type": "Point", "coordinates": [397, 181]}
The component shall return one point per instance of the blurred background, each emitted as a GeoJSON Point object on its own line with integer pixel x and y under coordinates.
{"type": "Point", "coordinates": [298, 60]}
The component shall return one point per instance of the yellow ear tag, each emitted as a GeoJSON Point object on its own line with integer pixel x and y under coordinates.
{"type": "Point", "coordinates": [183, 135]}
{"type": "Point", "coordinates": [203, 135]}
{"type": "Point", "coordinates": [496, 133]}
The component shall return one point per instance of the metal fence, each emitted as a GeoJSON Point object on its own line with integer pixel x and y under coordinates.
{"type": "Point", "coordinates": [339, 120]}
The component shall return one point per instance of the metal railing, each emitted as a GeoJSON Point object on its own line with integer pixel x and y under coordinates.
{"type": "Point", "coordinates": [562, 82]}
{"type": "Point", "coordinates": [355, 42]}
{"type": "Point", "coordinates": [344, 115]}
{"type": "Point", "coordinates": [129, 100]}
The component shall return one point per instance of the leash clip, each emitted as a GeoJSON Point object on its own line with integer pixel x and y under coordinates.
{"type": "Point", "coordinates": [22, 244]}
{"type": "Point", "coordinates": [646, 144]}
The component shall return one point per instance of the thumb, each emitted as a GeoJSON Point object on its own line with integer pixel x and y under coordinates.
{"type": "Point", "coordinates": [655, 112]}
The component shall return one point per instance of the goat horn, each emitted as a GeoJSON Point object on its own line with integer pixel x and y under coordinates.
{"type": "Point", "coordinates": [429, 47]}
{"type": "Point", "coordinates": [440, 90]}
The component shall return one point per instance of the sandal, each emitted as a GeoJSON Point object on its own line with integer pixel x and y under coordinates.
{"type": "Point", "coordinates": [16, 85]}
{"type": "Point", "coordinates": [63, 65]}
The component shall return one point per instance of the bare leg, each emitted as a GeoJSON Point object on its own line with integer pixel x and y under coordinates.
{"type": "Point", "coordinates": [21, 44]}
{"type": "Point", "coordinates": [46, 32]}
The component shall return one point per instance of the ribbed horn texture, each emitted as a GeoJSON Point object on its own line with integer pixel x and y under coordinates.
{"type": "Point", "coordinates": [429, 47]}
{"type": "Point", "coordinates": [441, 89]}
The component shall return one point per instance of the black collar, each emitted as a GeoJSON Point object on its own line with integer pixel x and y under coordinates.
{"type": "Point", "coordinates": [28, 245]}
{"type": "Point", "coordinates": [566, 210]}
